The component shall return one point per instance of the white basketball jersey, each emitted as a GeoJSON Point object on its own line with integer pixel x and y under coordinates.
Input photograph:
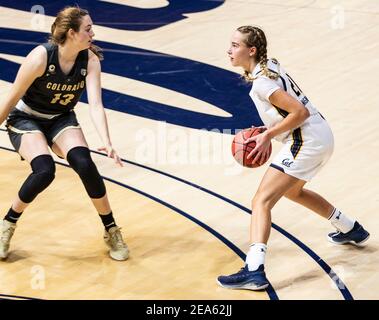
{"type": "Point", "coordinates": [263, 87]}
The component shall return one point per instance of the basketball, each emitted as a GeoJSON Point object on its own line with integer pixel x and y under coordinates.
{"type": "Point", "coordinates": [240, 150]}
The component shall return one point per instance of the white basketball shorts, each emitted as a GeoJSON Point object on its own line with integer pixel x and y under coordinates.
{"type": "Point", "coordinates": [306, 150]}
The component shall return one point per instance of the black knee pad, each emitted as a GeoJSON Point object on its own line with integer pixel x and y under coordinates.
{"type": "Point", "coordinates": [43, 174]}
{"type": "Point", "coordinates": [80, 160]}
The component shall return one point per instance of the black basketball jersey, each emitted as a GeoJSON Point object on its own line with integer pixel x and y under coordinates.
{"type": "Point", "coordinates": [55, 92]}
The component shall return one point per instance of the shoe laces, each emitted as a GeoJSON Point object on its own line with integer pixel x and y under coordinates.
{"type": "Point", "coordinates": [7, 233]}
{"type": "Point", "coordinates": [242, 270]}
{"type": "Point", "coordinates": [116, 239]}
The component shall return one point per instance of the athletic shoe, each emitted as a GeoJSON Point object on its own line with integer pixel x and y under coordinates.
{"type": "Point", "coordinates": [357, 235]}
{"type": "Point", "coordinates": [6, 232]}
{"type": "Point", "coordinates": [118, 248]}
{"type": "Point", "coordinates": [245, 279]}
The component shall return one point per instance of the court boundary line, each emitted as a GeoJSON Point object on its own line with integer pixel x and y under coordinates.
{"type": "Point", "coordinates": [328, 270]}
{"type": "Point", "coordinates": [269, 290]}
{"type": "Point", "coordinates": [324, 266]}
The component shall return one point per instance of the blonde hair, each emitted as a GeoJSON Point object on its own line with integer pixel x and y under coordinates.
{"type": "Point", "coordinates": [70, 18]}
{"type": "Point", "coordinates": [257, 38]}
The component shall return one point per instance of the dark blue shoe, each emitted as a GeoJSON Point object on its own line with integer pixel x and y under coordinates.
{"type": "Point", "coordinates": [245, 279]}
{"type": "Point", "coordinates": [357, 235]}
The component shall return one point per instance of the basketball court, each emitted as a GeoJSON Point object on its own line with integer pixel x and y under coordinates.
{"type": "Point", "coordinates": [173, 102]}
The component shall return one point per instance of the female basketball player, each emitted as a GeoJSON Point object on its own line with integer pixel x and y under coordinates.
{"type": "Point", "coordinates": [48, 85]}
{"type": "Point", "coordinates": [290, 118]}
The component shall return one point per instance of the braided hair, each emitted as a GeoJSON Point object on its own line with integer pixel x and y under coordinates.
{"type": "Point", "coordinates": [256, 38]}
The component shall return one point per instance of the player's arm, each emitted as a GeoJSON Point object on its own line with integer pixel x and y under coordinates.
{"type": "Point", "coordinates": [97, 111]}
{"type": "Point", "coordinates": [297, 113]}
{"type": "Point", "coordinates": [33, 67]}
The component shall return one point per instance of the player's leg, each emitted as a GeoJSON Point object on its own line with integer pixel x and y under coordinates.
{"type": "Point", "coordinates": [309, 199]}
{"type": "Point", "coordinates": [349, 230]}
{"type": "Point", "coordinates": [273, 186]}
{"type": "Point", "coordinates": [71, 144]}
{"type": "Point", "coordinates": [33, 148]}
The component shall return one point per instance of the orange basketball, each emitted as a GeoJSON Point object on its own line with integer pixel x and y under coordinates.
{"type": "Point", "coordinates": [240, 150]}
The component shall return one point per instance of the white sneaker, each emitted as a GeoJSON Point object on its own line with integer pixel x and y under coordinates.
{"type": "Point", "coordinates": [118, 248]}
{"type": "Point", "coordinates": [6, 232]}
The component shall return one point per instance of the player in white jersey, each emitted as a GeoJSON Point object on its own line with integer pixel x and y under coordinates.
{"type": "Point", "coordinates": [307, 147]}
{"type": "Point", "coordinates": [290, 118]}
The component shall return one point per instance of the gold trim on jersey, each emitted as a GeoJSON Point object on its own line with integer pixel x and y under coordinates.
{"type": "Point", "coordinates": [65, 87]}
{"type": "Point", "coordinates": [297, 142]}
{"type": "Point", "coordinates": [63, 130]}
{"type": "Point", "coordinates": [19, 131]}
{"type": "Point", "coordinates": [282, 112]}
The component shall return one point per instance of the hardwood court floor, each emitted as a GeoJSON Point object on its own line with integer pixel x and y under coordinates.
{"type": "Point", "coordinates": [189, 197]}
{"type": "Point", "coordinates": [57, 249]}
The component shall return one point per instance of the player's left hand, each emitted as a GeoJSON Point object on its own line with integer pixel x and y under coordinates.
{"type": "Point", "coordinates": [111, 153]}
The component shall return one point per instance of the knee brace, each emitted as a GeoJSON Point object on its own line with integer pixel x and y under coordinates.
{"type": "Point", "coordinates": [80, 160]}
{"type": "Point", "coordinates": [43, 174]}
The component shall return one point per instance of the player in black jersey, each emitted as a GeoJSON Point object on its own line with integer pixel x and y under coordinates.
{"type": "Point", "coordinates": [48, 85]}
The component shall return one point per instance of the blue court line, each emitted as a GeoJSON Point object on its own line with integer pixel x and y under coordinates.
{"type": "Point", "coordinates": [5, 296]}
{"type": "Point", "coordinates": [329, 271]}
{"type": "Point", "coordinates": [270, 290]}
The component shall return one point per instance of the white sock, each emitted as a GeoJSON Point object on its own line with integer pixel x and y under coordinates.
{"type": "Point", "coordinates": [341, 221]}
{"type": "Point", "coordinates": [256, 256]}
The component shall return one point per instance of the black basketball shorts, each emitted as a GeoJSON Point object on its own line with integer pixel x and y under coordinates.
{"type": "Point", "coordinates": [19, 123]}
